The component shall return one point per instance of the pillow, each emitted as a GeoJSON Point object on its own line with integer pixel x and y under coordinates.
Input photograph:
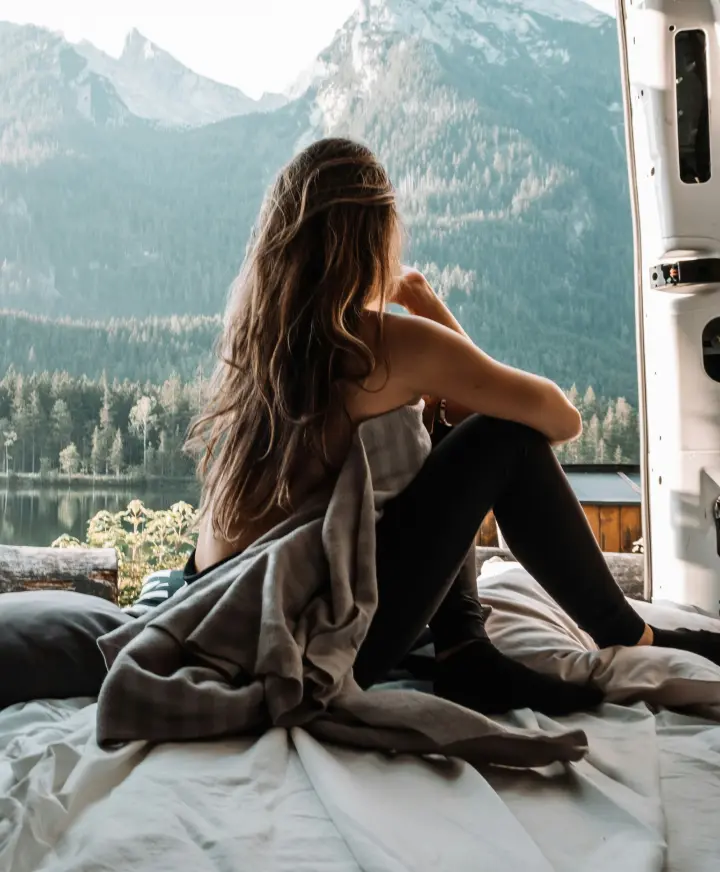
{"type": "Point", "coordinates": [528, 625]}
{"type": "Point", "coordinates": [48, 644]}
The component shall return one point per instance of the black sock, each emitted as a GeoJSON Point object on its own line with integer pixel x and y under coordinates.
{"type": "Point", "coordinates": [702, 642]}
{"type": "Point", "coordinates": [483, 679]}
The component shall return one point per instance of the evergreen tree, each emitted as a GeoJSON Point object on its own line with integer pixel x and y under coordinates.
{"type": "Point", "coordinates": [104, 434]}
{"type": "Point", "coordinates": [142, 421]}
{"type": "Point", "coordinates": [609, 430]}
{"type": "Point", "coordinates": [20, 419]}
{"type": "Point", "coordinates": [9, 438]}
{"type": "Point", "coordinates": [61, 424]}
{"type": "Point", "coordinates": [99, 456]}
{"type": "Point", "coordinates": [162, 453]}
{"type": "Point", "coordinates": [178, 463]}
{"type": "Point", "coordinates": [35, 418]}
{"type": "Point", "coordinates": [572, 452]}
{"type": "Point", "coordinates": [117, 453]}
{"type": "Point", "coordinates": [589, 401]}
{"type": "Point", "coordinates": [591, 440]}
{"type": "Point", "coordinates": [151, 460]}
{"type": "Point", "coordinates": [171, 396]}
{"type": "Point", "coordinates": [623, 412]}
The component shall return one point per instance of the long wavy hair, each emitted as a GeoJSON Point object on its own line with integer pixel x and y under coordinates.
{"type": "Point", "coordinates": [324, 247]}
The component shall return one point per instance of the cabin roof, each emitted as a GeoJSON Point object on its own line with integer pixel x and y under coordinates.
{"type": "Point", "coordinates": [605, 485]}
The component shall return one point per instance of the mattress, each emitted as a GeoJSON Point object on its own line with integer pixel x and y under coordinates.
{"type": "Point", "coordinates": [644, 800]}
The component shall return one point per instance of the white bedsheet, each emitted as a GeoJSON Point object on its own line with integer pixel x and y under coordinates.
{"type": "Point", "coordinates": [645, 800]}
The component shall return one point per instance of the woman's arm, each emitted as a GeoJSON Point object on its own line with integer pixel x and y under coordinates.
{"type": "Point", "coordinates": [415, 294]}
{"type": "Point", "coordinates": [431, 359]}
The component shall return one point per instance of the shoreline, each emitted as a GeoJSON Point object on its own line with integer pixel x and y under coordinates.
{"type": "Point", "coordinates": [85, 480]}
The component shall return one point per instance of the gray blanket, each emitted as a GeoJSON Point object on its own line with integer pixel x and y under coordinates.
{"type": "Point", "coordinates": [269, 638]}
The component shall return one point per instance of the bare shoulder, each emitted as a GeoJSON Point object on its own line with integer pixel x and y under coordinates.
{"type": "Point", "coordinates": [407, 331]}
{"type": "Point", "coordinates": [396, 342]}
{"type": "Point", "coordinates": [390, 334]}
{"type": "Point", "coordinates": [407, 338]}
{"type": "Point", "coordinates": [384, 388]}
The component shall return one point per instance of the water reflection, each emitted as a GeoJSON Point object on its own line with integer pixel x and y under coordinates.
{"type": "Point", "coordinates": [68, 511]}
{"type": "Point", "coordinates": [38, 515]}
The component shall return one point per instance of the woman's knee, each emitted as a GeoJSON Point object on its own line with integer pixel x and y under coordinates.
{"type": "Point", "coordinates": [499, 430]}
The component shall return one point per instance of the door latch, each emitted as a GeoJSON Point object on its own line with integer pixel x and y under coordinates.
{"type": "Point", "coordinates": [716, 515]}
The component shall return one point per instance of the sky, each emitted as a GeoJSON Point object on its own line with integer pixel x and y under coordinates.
{"type": "Point", "coordinates": [255, 45]}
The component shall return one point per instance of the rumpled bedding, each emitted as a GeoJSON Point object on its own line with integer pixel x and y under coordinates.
{"type": "Point", "coordinates": [644, 799]}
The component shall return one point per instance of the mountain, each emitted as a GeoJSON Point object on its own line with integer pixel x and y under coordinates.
{"type": "Point", "coordinates": [105, 214]}
{"type": "Point", "coordinates": [47, 89]}
{"type": "Point", "coordinates": [500, 122]}
{"type": "Point", "coordinates": [154, 85]}
{"type": "Point", "coordinates": [147, 350]}
{"type": "Point", "coordinates": [502, 127]}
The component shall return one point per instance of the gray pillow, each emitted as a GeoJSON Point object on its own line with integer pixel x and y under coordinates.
{"type": "Point", "coordinates": [48, 644]}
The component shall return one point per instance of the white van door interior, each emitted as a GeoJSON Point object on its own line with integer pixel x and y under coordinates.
{"type": "Point", "coordinates": [670, 58]}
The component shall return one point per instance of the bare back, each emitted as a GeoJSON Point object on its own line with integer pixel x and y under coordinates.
{"type": "Point", "coordinates": [380, 393]}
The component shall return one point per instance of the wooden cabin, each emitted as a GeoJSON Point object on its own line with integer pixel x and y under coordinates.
{"type": "Point", "coordinates": [611, 497]}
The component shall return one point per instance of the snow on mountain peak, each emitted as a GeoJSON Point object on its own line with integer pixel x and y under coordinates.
{"type": "Point", "coordinates": [448, 23]}
{"type": "Point", "coordinates": [499, 30]}
{"type": "Point", "coordinates": [457, 21]}
{"type": "Point", "coordinates": [139, 48]}
{"type": "Point", "coordinates": [155, 85]}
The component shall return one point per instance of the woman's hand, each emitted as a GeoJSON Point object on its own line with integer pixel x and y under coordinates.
{"type": "Point", "coordinates": [411, 291]}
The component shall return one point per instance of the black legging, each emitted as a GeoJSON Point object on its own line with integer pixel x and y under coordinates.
{"type": "Point", "coordinates": [426, 531]}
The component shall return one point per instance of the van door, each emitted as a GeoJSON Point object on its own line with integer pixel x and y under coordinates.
{"type": "Point", "coordinates": [670, 59]}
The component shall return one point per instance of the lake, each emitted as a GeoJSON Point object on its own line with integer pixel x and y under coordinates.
{"type": "Point", "coordinates": [37, 515]}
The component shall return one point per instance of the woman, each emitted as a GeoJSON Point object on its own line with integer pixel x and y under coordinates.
{"type": "Point", "coordinates": [309, 352]}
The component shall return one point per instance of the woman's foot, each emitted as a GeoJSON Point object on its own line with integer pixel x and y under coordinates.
{"type": "Point", "coordinates": [481, 678]}
{"type": "Point", "coordinates": [702, 642]}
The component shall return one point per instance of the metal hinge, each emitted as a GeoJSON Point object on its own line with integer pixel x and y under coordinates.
{"type": "Point", "coordinates": [703, 271]}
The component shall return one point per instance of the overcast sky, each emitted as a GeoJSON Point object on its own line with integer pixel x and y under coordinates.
{"type": "Point", "coordinates": [261, 45]}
